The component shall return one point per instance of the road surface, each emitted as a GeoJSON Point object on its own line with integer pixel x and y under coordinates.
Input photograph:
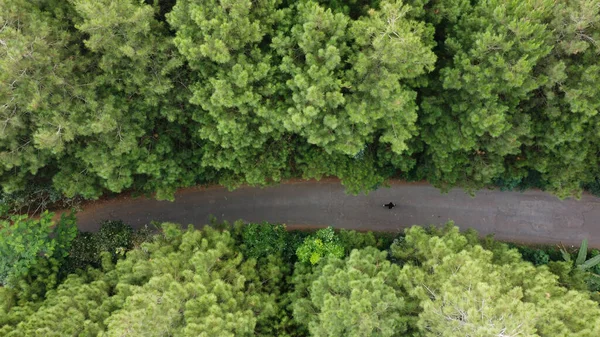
{"type": "Point", "coordinates": [532, 216]}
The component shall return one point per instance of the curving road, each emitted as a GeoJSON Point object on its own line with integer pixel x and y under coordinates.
{"type": "Point", "coordinates": [532, 216]}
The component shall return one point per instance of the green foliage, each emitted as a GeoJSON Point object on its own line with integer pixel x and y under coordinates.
{"type": "Point", "coordinates": [344, 80]}
{"type": "Point", "coordinates": [351, 240]}
{"type": "Point", "coordinates": [323, 243]}
{"type": "Point", "coordinates": [25, 242]}
{"type": "Point", "coordinates": [536, 256]}
{"type": "Point", "coordinates": [581, 262]}
{"type": "Point", "coordinates": [593, 187]}
{"type": "Point", "coordinates": [35, 199]}
{"type": "Point", "coordinates": [584, 273]}
{"type": "Point", "coordinates": [262, 240]}
{"type": "Point", "coordinates": [518, 59]}
{"type": "Point", "coordinates": [114, 237]}
{"type": "Point", "coordinates": [84, 252]}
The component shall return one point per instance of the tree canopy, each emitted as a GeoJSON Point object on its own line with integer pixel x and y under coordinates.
{"type": "Point", "coordinates": [104, 96]}
{"type": "Point", "coordinates": [228, 282]}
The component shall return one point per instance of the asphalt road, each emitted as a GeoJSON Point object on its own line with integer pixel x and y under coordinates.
{"type": "Point", "coordinates": [532, 216]}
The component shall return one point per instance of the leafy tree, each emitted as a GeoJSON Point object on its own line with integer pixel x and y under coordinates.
{"type": "Point", "coordinates": [38, 70]}
{"type": "Point", "coordinates": [77, 307]}
{"type": "Point", "coordinates": [524, 63]}
{"type": "Point", "coordinates": [262, 240]}
{"type": "Point", "coordinates": [139, 87]}
{"type": "Point", "coordinates": [24, 241]}
{"type": "Point", "coordinates": [564, 109]}
{"type": "Point", "coordinates": [322, 244]}
{"type": "Point", "coordinates": [472, 117]}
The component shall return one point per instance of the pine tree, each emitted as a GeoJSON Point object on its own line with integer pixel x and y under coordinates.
{"type": "Point", "coordinates": [464, 289]}
{"type": "Point", "coordinates": [358, 296]}
{"type": "Point", "coordinates": [236, 88]}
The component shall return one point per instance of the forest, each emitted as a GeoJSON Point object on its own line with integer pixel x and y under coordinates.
{"type": "Point", "coordinates": [263, 280]}
{"type": "Point", "coordinates": [102, 96]}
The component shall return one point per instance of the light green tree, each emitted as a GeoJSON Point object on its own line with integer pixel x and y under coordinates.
{"type": "Point", "coordinates": [348, 78]}
{"type": "Point", "coordinates": [464, 289]}
{"type": "Point", "coordinates": [236, 87]}
{"type": "Point", "coordinates": [40, 88]}
{"type": "Point", "coordinates": [183, 283]}
{"type": "Point", "coordinates": [355, 296]}
{"type": "Point", "coordinates": [189, 283]}
{"type": "Point", "coordinates": [324, 243]}
{"type": "Point", "coordinates": [565, 108]}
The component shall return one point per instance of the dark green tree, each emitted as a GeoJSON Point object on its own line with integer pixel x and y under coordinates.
{"type": "Point", "coordinates": [473, 117]}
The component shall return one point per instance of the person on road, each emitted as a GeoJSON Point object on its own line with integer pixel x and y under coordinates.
{"type": "Point", "coordinates": [389, 205]}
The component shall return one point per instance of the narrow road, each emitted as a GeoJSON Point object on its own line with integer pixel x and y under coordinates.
{"type": "Point", "coordinates": [532, 216]}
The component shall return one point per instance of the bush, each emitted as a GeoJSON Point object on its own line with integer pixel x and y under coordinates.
{"type": "Point", "coordinates": [322, 244]}
{"type": "Point", "coordinates": [262, 240]}
{"type": "Point", "coordinates": [34, 199]}
{"type": "Point", "coordinates": [24, 242]}
{"type": "Point", "coordinates": [536, 256]}
{"type": "Point", "coordinates": [507, 184]}
{"type": "Point", "coordinates": [356, 240]}
{"type": "Point", "coordinates": [84, 253]}
{"type": "Point", "coordinates": [114, 237]}
{"type": "Point", "coordinates": [140, 236]}
{"type": "Point", "coordinates": [593, 187]}
{"type": "Point", "coordinates": [533, 179]}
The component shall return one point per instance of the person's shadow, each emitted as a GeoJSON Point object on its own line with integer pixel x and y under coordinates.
{"type": "Point", "coordinates": [389, 205]}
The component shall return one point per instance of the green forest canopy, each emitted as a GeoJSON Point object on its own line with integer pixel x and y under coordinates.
{"type": "Point", "coordinates": [102, 95]}
{"type": "Point", "coordinates": [243, 281]}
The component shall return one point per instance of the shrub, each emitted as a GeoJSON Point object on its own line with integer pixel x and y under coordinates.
{"type": "Point", "coordinates": [507, 184]}
{"type": "Point", "coordinates": [84, 253]}
{"type": "Point", "coordinates": [593, 187]}
{"type": "Point", "coordinates": [34, 199]}
{"type": "Point", "coordinates": [262, 240]}
{"type": "Point", "coordinates": [24, 242]}
{"type": "Point", "coordinates": [536, 256]}
{"type": "Point", "coordinates": [114, 237]}
{"type": "Point", "coordinates": [140, 236]}
{"type": "Point", "coordinates": [323, 243]}
{"type": "Point", "coordinates": [356, 240]}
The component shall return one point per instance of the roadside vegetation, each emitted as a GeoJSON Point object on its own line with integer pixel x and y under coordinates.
{"type": "Point", "coordinates": [102, 96]}
{"type": "Point", "coordinates": [262, 280]}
